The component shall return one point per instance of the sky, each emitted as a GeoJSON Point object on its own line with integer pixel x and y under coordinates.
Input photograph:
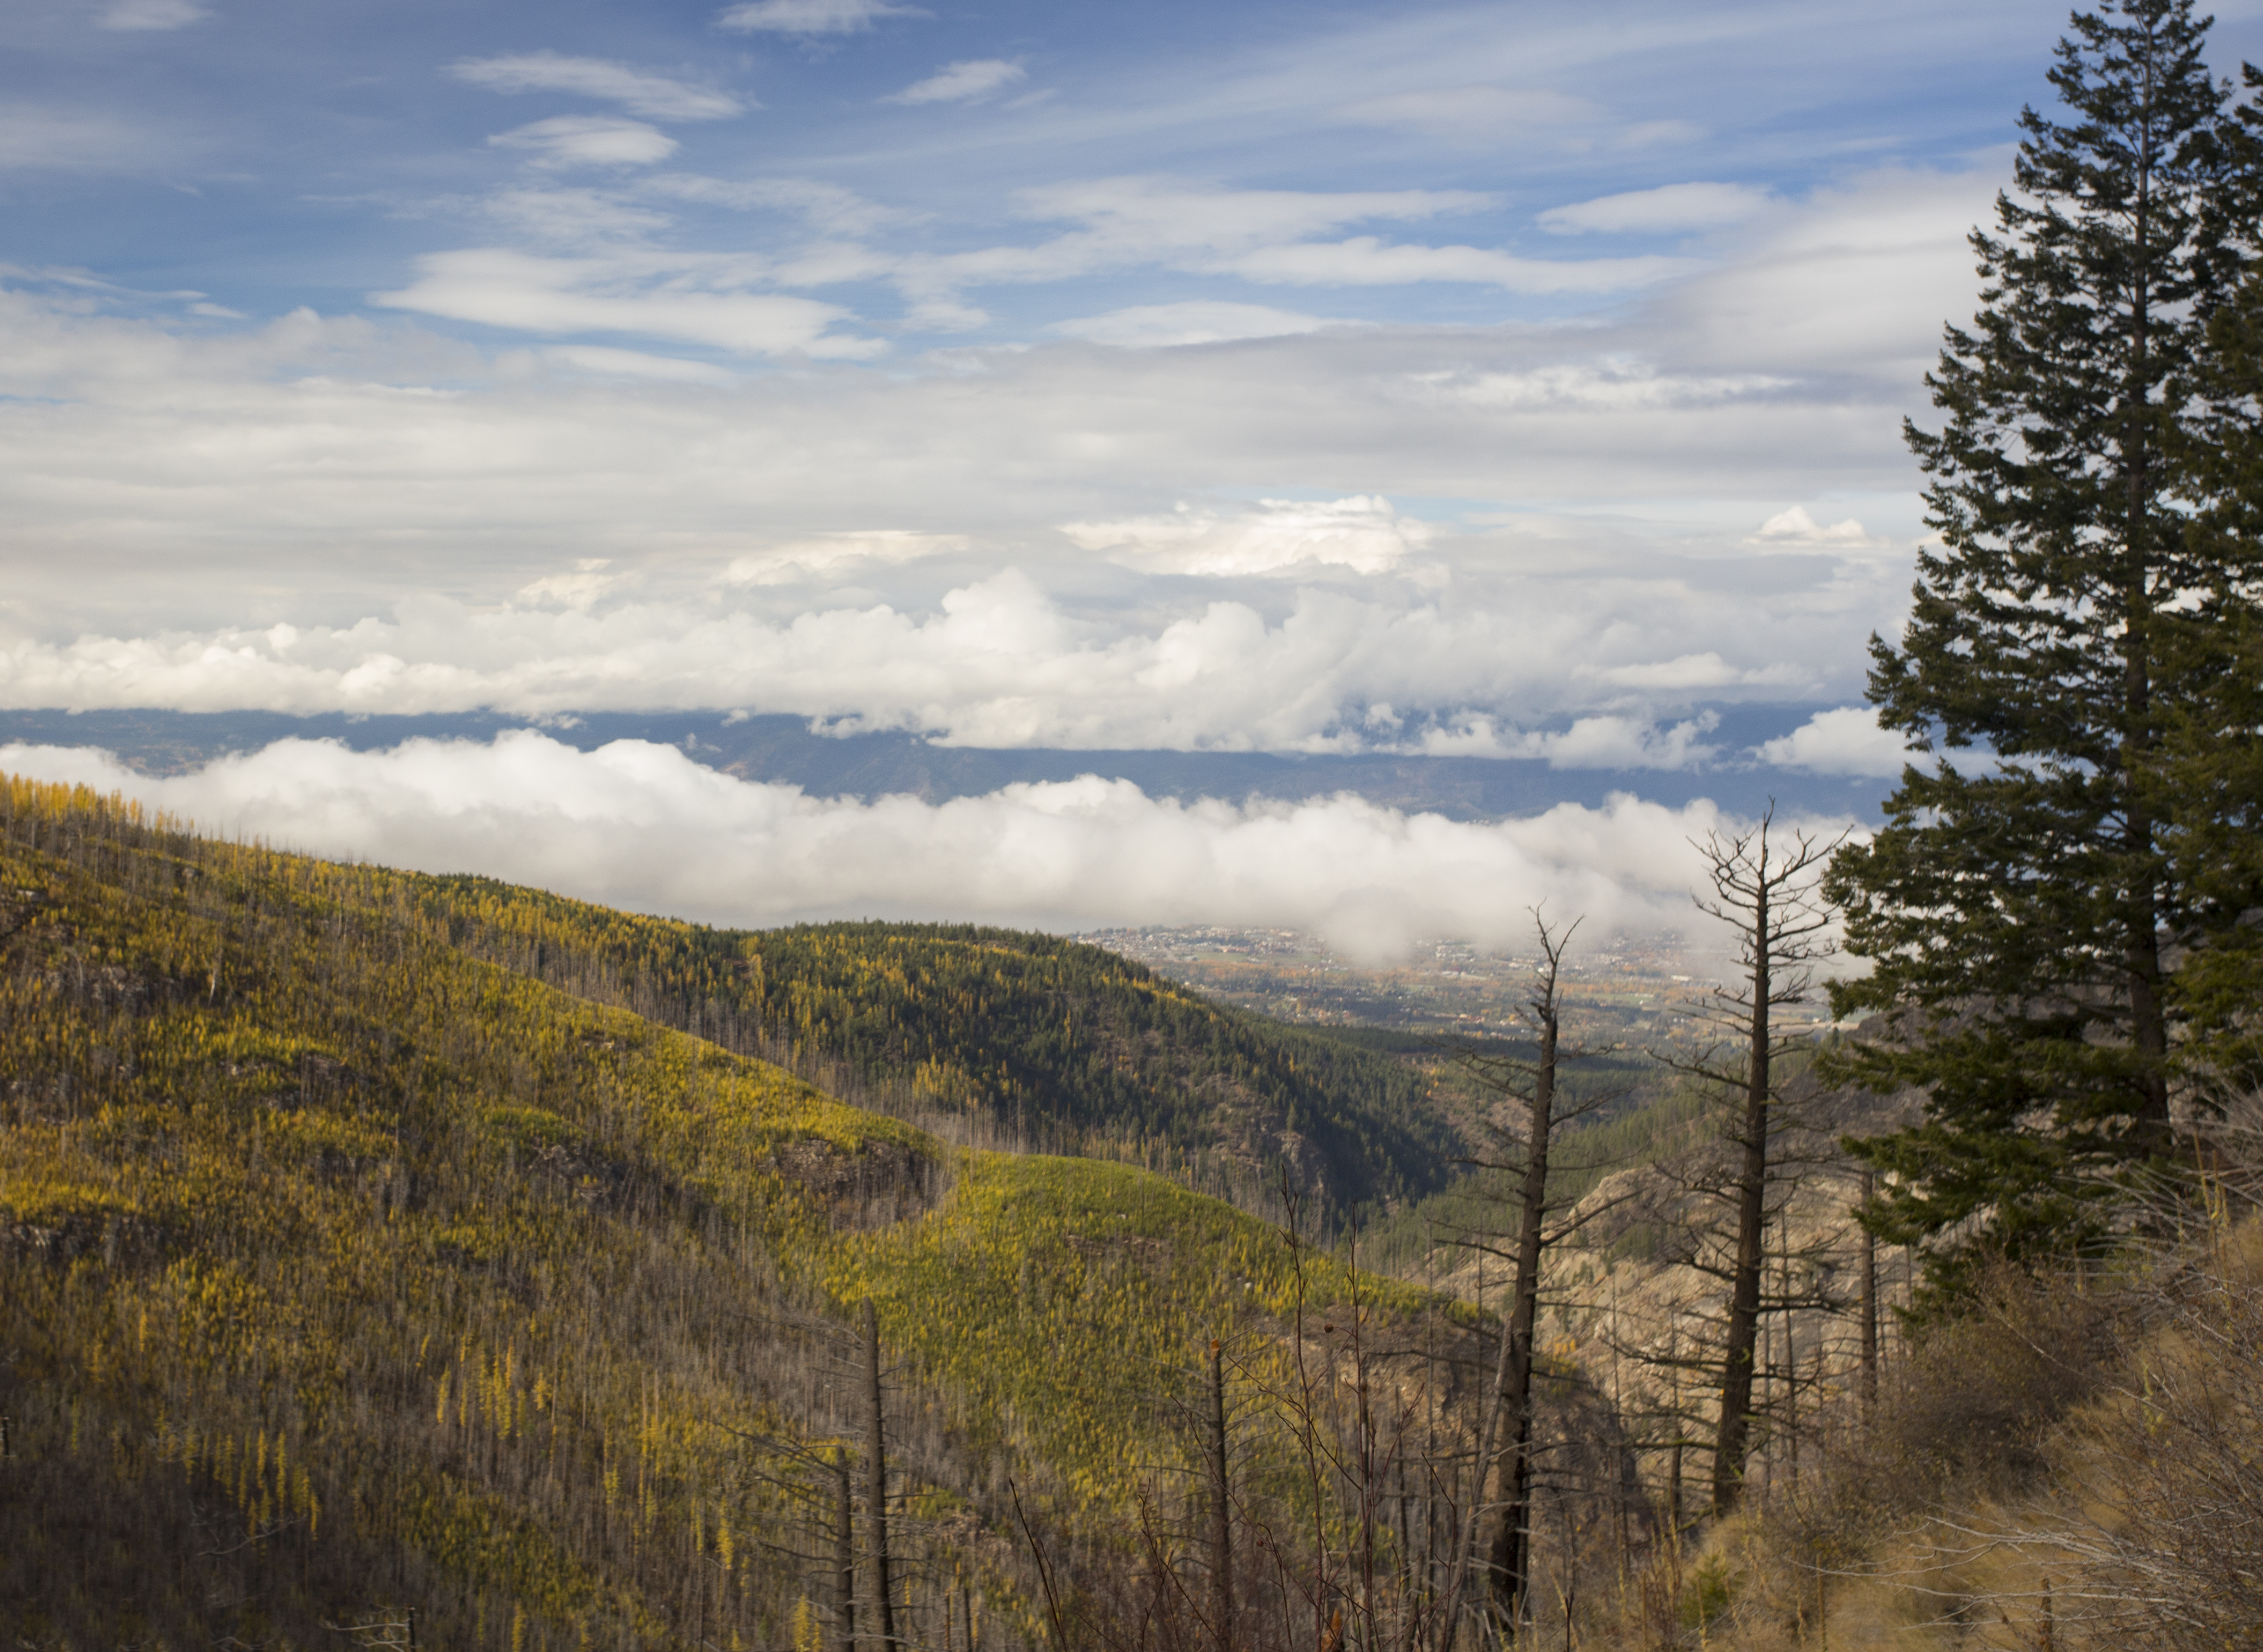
{"type": "Point", "coordinates": [1516, 380]}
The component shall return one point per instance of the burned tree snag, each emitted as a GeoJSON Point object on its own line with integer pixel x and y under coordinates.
{"type": "Point", "coordinates": [1766, 894]}
{"type": "Point", "coordinates": [1221, 1506]}
{"type": "Point", "coordinates": [876, 1495]}
{"type": "Point", "coordinates": [1512, 1539]}
{"type": "Point", "coordinates": [844, 1552]}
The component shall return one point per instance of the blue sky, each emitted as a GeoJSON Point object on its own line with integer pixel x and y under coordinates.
{"type": "Point", "coordinates": [272, 156]}
{"type": "Point", "coordinates": [1511, 381]}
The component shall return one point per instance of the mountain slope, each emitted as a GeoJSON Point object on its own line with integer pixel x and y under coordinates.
{"type": "Point", "coordinates": [346, 1273]}
{"type": "Point", "coordinates": [1063, 1044]}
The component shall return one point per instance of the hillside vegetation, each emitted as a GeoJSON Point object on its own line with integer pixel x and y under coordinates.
{"type": "Point", "coordinates": [348, 1273]}
{"type": "Point", "coordinates": [1056, 1044]}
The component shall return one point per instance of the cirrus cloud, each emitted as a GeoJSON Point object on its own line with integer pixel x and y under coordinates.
{"type": "Point", "coordinates": [811, 16]}
{"type": "Point", "coordinates": [1675, 207]}
{"type": "Point", "coordinates": [589, 141]}
{"type": "Point", "coordinates": [966, 83]}
{"type": "Point", "coordinates": [639, 91]}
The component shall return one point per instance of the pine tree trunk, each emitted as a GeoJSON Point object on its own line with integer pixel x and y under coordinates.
{"type": "Point", "coordinates": [2149, 1030]}
{"type": "Point", "coordinates": [1751, 1218]}
{"type": "Point", "coordinates": [1868, 1245]}
{"type": "Point", "coordinates": [875, 1496]}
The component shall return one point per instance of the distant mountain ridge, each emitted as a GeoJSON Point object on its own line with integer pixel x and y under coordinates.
{"type": "Point", "coordinates": [783, 750]}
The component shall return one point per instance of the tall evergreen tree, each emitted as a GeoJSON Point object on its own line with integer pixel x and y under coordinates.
{"type": "Point", "coordinates": [2017, 910]}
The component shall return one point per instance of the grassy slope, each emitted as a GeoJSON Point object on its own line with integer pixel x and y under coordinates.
{"type": "Point", "coordinates": [345, 1271]}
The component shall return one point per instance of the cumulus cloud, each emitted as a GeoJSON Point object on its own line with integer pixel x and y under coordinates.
{"type": "Point", "coordinates": [1611, 741]}
{"type": "Point", "coordinates": [811, 16]}
{"type": "Point", "coordinates": [1281, 536]}
{"type": "Point", "coordinates": [1795, 527]}
{"type": "Point", "coordinates": [139, 15]}
{"type": "Point", "coordinates": [997, 661]}
{"type": "Point", "coordinates": [1846, 741]}
{"type": "Point", "coordinates": [589, 141]}
{"type": "Point", "coordinates": [1676, 206]}
{"type": "Point", "coordinates": [152, 473]}
{"type": "Point", "coordinates": [641, 825]}
{"type": "Point", "coordinates": [1194, 321]}
{"type": "Point", "coordinates": [964, 82]}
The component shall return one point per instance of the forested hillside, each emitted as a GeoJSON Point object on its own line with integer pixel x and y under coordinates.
{"type": "Point", "coordinates": [346, 1273]}
{"type": "Point", "coordinates": [1059, 1043]}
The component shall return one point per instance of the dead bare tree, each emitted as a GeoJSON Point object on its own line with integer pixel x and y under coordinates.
{"type": "Point", "coordinates": [1767, 893]}
{"type": "Point", "coordinates": [876, 1463]}
{"type": "Point", "coordinates": [1504, 1447]}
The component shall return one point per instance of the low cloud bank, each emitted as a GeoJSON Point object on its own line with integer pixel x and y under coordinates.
{"type": "Point", "coordinates": [1001, 662]}
{"type": "Point", "coordinates": [640, 826]}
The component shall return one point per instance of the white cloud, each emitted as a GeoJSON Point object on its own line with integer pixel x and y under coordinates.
{"type": "Point", "coordinates": [1148, 213]}
{"type": "Point", "coordinates": [589, 141]}
{"type": "Point", "coordinates": [1606, 741]}
{"type": "Point", "coordinates": [968, 82]}
{"type": "Point", "coordinates": [804, 558]}
{"type": "Point", "coordinates": [175, 487]}
{"type": "Point", "coordinates": [135, 16]}
{"type": "Point", "coordinates": [1795, 528]}
{"type": "Point", "coordinates": [578, 589]}
{"type": "Point", "coordinates": [642, 827]}
{"type": "Point", "coordinates": [1366, 261]}
{"type": "Point", "coordinates": [1860, 276]}
{"type": "Point", "coordinates": [1846, 741]}
{"type": "Point", "coordinates": [1697, 672]}
{"type": "Point", "coordinates": [1194, 321]}
{"type": "Point", "coordinates": [37, 139]}
{"type": "Point", "coordinates": [636, 364]}
{"type": "Point", "coordinates": [1261, 235]}
{"type": "Point", "coordinates": [1280, 536]}
{"type": "Point", "coordinates": [658, 97]}
{"type": "Point", "coordinates": [1676, 206]}
{"type": "Point", "coordinates": [811, 16]}
{"type": "Point", "coordinates": [1474, 112]}
{"type": "Point", "coordinates": [501, 288]}
{"type": "Point", "coordinates": [827, 206]}
{"type": "Point", "coordinates": [573, 218]}
{"type": "Point", "coordinates": [997, 662]}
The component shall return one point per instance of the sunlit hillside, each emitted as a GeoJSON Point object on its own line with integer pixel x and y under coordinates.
{"type": "Point", "coordinates": [349, 1272]}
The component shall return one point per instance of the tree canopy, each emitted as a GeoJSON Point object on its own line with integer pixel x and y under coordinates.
{"type": "Point", "coordinates": [2022, 904]}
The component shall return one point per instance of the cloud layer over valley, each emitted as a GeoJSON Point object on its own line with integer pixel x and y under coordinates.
{"type": "Point", "coordinates": [1425, 383]}
{"type": "Point", "coordinates": [641, 825]}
